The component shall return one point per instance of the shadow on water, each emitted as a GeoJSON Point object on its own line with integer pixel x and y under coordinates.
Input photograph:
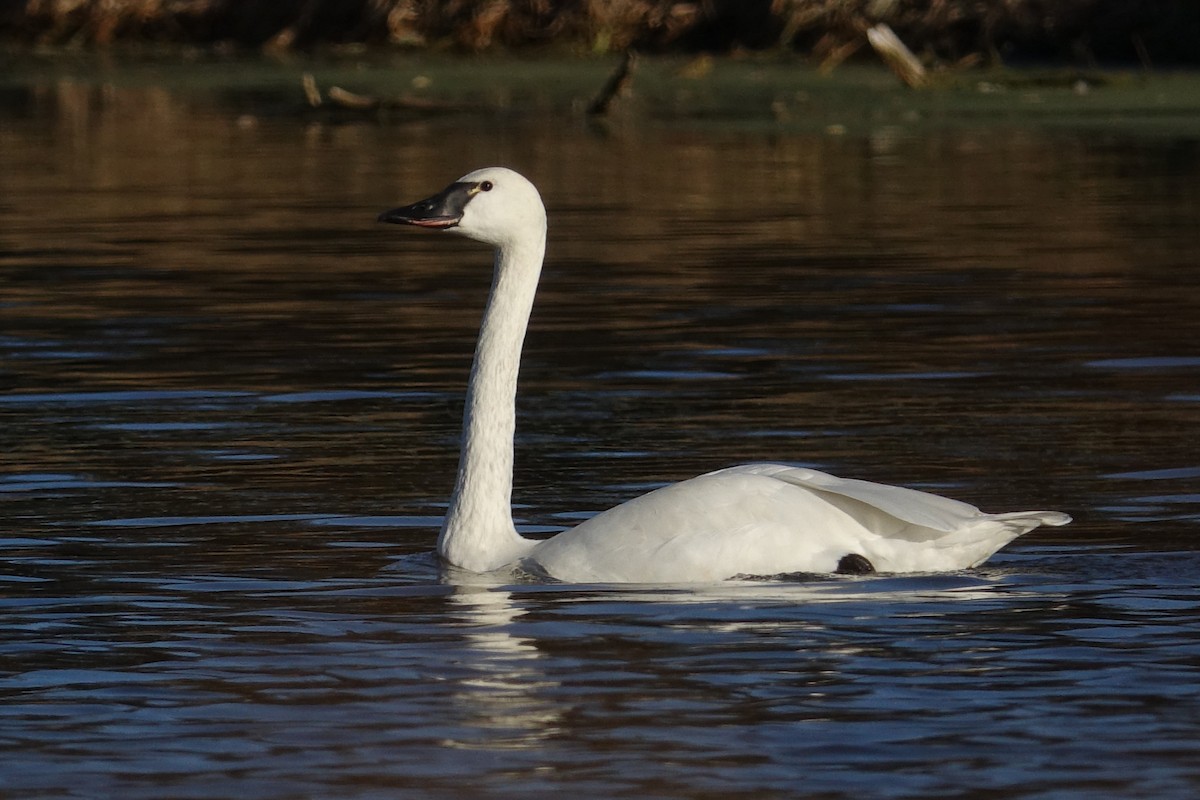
{"type": "Point", "coordinates": [229, 409]}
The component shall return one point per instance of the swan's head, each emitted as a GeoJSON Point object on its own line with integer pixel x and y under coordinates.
{"type": "Point", "coordinates": [493, 205]}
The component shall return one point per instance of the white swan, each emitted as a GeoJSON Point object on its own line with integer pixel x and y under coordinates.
{"type": "Point", "coordinates": [757, 519]}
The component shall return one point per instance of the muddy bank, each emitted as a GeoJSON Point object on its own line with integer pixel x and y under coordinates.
{"type": "Point", "coordinates": [1149, 32]}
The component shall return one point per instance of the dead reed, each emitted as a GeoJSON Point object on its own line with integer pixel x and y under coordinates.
{"type": "Point", "coordinates": [937, 31]}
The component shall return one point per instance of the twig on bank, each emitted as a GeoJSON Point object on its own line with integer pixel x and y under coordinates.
{"type": "Point", "coordinates": [1139, 46]}
{"type": "Point", "coordinates": [311, 92]}
{"type": "Point", "coordinates": [836, 53]}
{"type": "Point", "coordinates": [338, 98]}
{"type": "Point", "coordinates": [355, 102]}
{"type": "Point", "coordinates": [898, 57]}
{"type": "Point", "coordinates": [616, 84]}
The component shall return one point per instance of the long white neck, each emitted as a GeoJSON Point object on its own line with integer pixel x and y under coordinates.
{"type": "Point", "coordinates": [478, 533]}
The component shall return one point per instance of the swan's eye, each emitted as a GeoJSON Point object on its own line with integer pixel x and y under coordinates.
{"type": "Point", "coordinates": [486, 186]}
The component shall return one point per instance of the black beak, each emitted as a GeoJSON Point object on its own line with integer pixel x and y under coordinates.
{"type": "Point", "coordinates": [443, 210]}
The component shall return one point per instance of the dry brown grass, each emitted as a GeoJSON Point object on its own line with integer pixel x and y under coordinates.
{"type": "Point", "coordinates": [936, 30]}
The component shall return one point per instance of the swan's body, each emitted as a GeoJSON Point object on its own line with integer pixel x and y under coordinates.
{"type": "Point", "coordinates": [757, 519]}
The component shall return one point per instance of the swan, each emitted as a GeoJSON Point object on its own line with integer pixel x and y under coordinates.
{"type": "Point", "coordinates": [749, 520]}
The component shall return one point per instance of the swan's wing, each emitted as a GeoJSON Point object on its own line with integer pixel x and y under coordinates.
{"type": "Point", "coordinates": [913, 531]}
{"type": "Point", "coordinates": [921, 509]}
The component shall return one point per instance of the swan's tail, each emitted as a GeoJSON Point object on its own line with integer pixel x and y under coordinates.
{"type": "Point", "coordinates": [1026, 521]}
{"type": "Point", "coordinates": [976, 543]}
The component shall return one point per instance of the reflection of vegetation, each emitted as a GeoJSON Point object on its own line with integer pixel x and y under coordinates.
{"type": "Point", "coordinates": [189, 241]}
{"type": "Point", "coordinates": [1147, 30]}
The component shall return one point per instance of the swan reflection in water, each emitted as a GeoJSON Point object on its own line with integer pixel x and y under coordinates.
{"type": "Point", "coordinates": [509, 697]}
{"type": "Point", "coordinates": [502, 693]}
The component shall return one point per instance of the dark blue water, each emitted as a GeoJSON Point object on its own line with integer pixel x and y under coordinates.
{"type": "Point", "coordinates": [229, 411]}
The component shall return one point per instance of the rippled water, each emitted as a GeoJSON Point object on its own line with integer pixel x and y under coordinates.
{"type": "Point", "coordinates": [229, 411]}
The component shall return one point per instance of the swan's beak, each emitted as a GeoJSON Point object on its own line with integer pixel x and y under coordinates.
{"type": "Point", "coordinates": [443, 210]}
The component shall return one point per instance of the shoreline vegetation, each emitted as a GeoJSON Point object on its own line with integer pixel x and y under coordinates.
{"type": "Point", "coordinates": [935, 34]}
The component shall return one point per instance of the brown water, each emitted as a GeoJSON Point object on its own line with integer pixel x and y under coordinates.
{"type": "Point", "coordinates": [229, 412]}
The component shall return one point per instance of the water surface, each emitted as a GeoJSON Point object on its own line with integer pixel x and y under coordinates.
{"type": "Point", "coordinates": [229, 411]}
